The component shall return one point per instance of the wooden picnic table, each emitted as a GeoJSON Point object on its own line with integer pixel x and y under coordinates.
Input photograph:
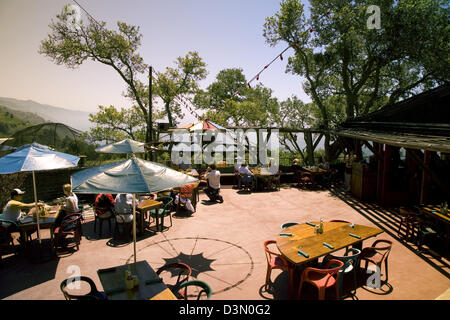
{"type": "Point", "coordinates": [151, 286]}
{"type": "Point", "coordinates": [302, 237]}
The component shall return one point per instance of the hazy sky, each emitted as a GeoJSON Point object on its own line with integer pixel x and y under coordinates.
{"type": "Point", "coordinates": [226, 34]}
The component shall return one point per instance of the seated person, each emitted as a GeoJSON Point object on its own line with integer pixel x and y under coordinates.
{"type": "Point", "coordinates": [185, 196]}
{"type": "Point", "coordinates": [246, 175]}
{"type": "Point", "coordinates": [12, 212]}
{"type": "Point", "coordinates": [323, 164]}
{"type": "Point", "coordinates": [104, 205]}
{"type": "Point", "coordinates": [213, 188]}
{"type": "Point", "coordinates": [123, 206]}
{"type": "Point", "coordinates": [70, 206]}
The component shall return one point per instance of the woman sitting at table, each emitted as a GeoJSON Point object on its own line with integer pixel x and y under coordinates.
{"type": "Point", "coordinates": [123, 207]}
{"type": "Point", "coordinates": [70, 206]}
{"type": "Point", "coordinates": [12, 212]}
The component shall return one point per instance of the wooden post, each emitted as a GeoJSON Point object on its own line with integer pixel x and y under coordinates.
{"type": "Point", "coordinates": [386, 166]}
{"type": "Point", "coordinates": [425, 178]}
{"type": "Point", "coordinates": [380, 171]}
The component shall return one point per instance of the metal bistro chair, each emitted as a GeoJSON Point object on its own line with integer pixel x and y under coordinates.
{"type": "Point", "coordinates": [70, 226]}
{"type": "Point", "coordinates": [350, 260]}
{"type": "Point", "coordinates": [6, 241]}
{"type": "Point", "coordinates": [182, 270]}
{"type": "Point", "coordinates": [205, 289]}
{"type": "Point", "coordinates": [377, 254]}
{"type": "Point", "coordinates": [165, 211]}
{"type": "Point", "coordinates": [93, 294]}
{"type": "Point", "coordinates": [103, 217]}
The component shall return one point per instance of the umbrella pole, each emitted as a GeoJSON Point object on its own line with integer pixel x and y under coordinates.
{"type": "Point", "coordinates": [36, 207]}
{"type": "Point", "coordinates": [134, 226]}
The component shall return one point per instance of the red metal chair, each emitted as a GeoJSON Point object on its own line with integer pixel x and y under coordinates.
{"type": "Point", "coordinates": [409, 219]}
{"type": "Point", "coordinates": [70, 226]}
{"type": "Point", "coordinates": [275, 261]}
{"type": "Point", "coordinates": [183, 271]}
{"type": "Point", "coordinates": [322, 279]}
{"type": "Point", "coordinates": [377, 254]}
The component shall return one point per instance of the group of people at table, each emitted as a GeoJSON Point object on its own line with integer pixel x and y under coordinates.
{"type": "Point", "coordinates": [14, 213]}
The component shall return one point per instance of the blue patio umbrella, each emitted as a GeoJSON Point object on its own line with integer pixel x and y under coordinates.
{"type": "Point", "coordinates": [129, 176]}
{"type": "Point", "coordinates": [36, 157]}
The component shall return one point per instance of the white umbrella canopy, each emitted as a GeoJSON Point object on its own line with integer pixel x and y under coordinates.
{"type": "Point", "coordinates": [129, 176]}
{"type": "Point", "coordinates": [124, 146]}
{"type": "Point", "coordinates": [36, 157]}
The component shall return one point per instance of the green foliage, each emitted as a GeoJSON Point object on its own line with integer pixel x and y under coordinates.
{"type": "Point", "coordinates": [340, 57]}
{"type": "Point", "coordinates": [183, 79]}
{"type": "Point", "coordinates": [229, 102]}
{"type": "Point", "coordinates": [8, 182]}
{"type": "Point", "coordinates": [113, 125]}
{"type": "Point", "coordinates": [350, 69]}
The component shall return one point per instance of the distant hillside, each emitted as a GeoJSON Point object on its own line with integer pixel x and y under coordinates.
{"type": "Point", "coordinates": [75, 119]}
{"type": "Point", "coordinates": [12, 121]}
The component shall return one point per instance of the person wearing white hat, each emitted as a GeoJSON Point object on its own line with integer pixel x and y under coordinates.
{"type": "Point", "coordinates": [12, 212]}
{"type": "Point", "coordinates": [13, 209]}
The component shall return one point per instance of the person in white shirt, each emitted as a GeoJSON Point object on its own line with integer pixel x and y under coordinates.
{"type": "Point", "coordinates": [12, 212]}
{"type": "Point", "coordinates": [213, 188]}
{"type": "Point", "coordinates": [246, 175]}
{"type": "Point", "coordinates": [123, 206]}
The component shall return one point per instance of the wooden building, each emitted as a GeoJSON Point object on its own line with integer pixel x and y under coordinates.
{"type": "Point", "coordinates": [410, 142]}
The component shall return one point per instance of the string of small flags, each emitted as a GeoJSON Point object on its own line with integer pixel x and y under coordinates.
{"type": "Point", "coordinates": [280, 56]}
{"type": "Point", "coordinates": [181, 99]}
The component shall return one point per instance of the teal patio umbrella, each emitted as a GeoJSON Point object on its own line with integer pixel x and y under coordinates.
{"type": "Point", "coordinates": [124, 146]}
{"type": "Point", "coordinates": [134, 176]}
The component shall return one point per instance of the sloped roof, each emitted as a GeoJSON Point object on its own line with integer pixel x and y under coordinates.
{"type": "Point", "coordinates": [419, 122]}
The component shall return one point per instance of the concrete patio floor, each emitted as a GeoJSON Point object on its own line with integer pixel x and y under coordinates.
{"type": "Point", "coordinates": [223, 243]}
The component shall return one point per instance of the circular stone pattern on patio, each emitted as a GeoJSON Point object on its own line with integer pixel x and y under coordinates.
{"type": "Point", "coordinates": [221, 264]}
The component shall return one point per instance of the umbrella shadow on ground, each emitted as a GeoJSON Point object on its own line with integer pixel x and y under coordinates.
{"type": "Point", "coordinates": [22, 271]}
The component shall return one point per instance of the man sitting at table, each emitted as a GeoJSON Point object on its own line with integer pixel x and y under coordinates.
{"type": "Point", "coordinates": [12, 212]}
{"type": "Point", "coordinates": [246, 175]}
{"type": "Point", "coordinates": [213, 188]}
{"type": "Point", "coordinates": [123, 207]}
